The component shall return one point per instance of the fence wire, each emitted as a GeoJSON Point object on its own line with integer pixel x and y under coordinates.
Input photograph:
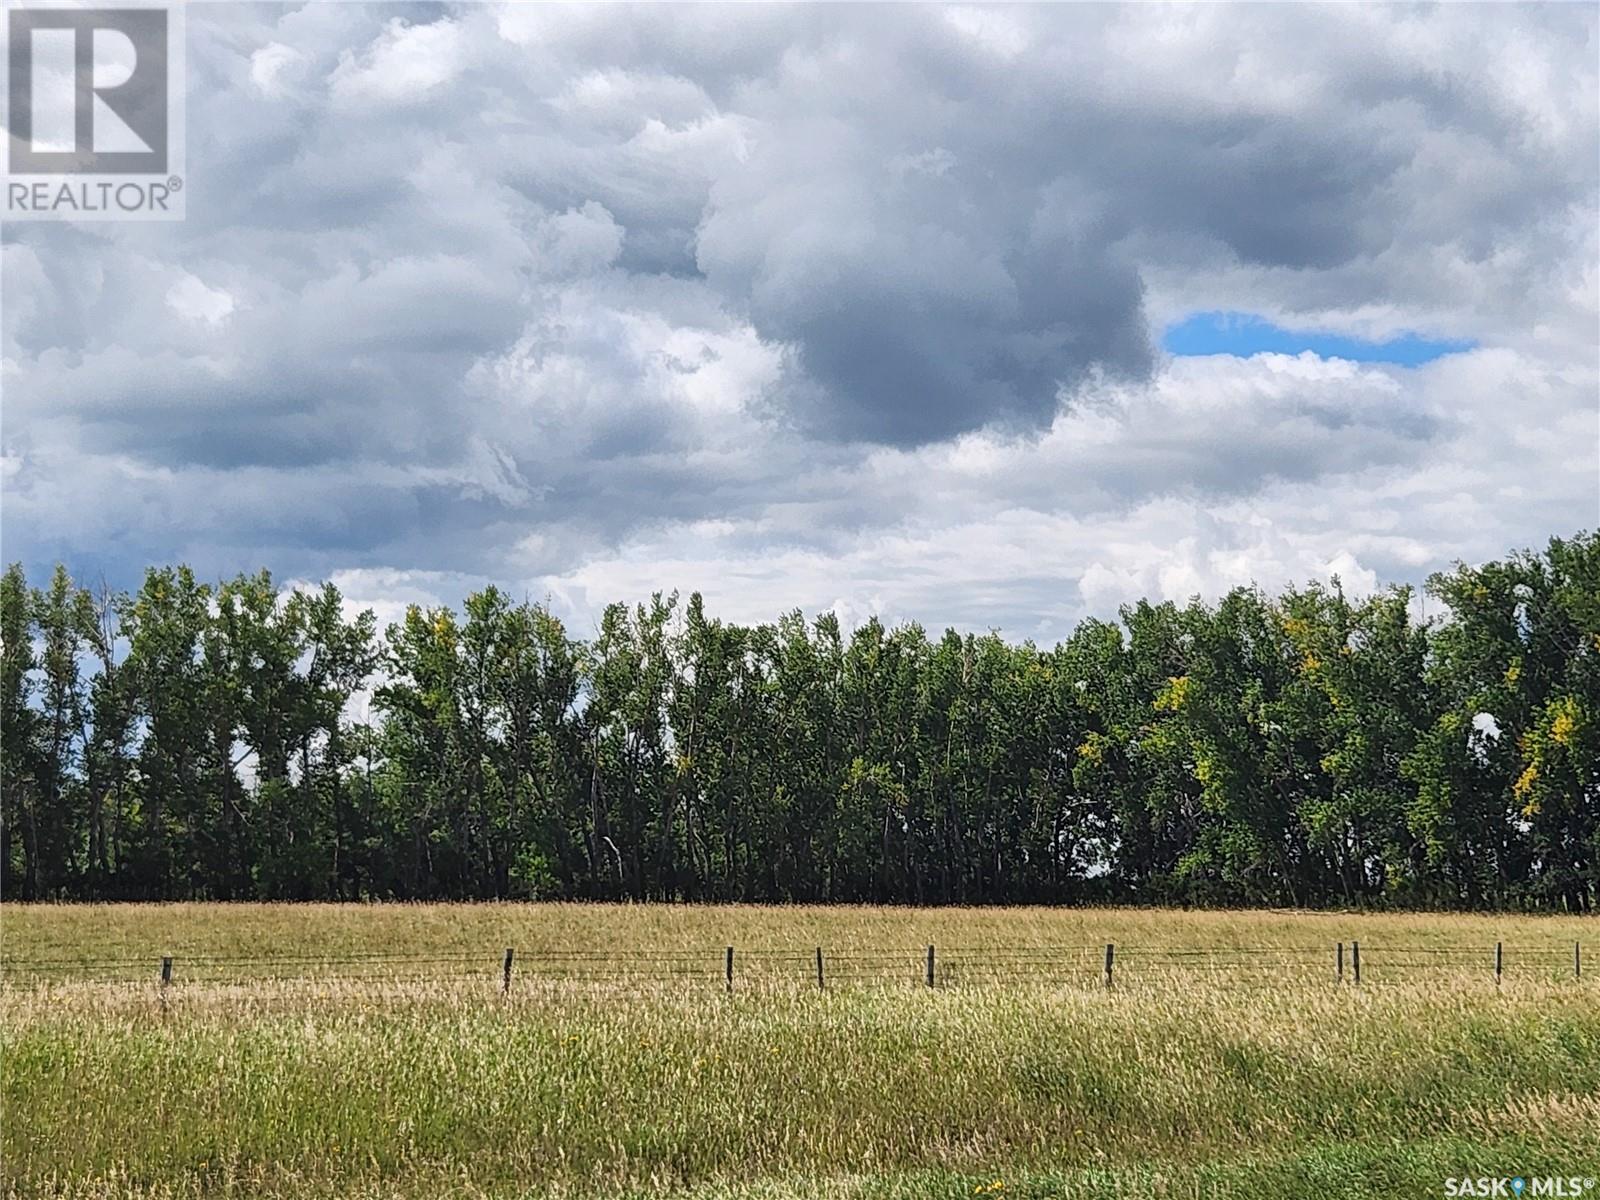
{"type": "Point", "coordinates": [991, 965]}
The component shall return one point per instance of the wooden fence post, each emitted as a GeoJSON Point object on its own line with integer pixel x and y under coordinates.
{"type": "Point", "coordinates": [166, 970]}
{"type": "Point", "coordinates": [1338, 973]}
{"type": "Point", "coordinates": [819, 968]}
{"type": "Point", "coordinates": [1498, 963]}
{"type": "Point", "coordinates": [505, 985]}
{"type": "Point", "coordinates": [930, 965]}
{"type": "Point", "coordinates": [1111, 954]}
{"type": "Point", "coordinates": [730, 968]}
{"type": "Point", "coordinates": [1355, 960]}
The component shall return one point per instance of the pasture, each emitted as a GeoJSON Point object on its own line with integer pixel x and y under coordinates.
{"type": "Point", "coordinates": [375, 1051]}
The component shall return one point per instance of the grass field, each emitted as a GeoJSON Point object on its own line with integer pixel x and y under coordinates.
{"type": "Point", "coordinates": [321, 1051]}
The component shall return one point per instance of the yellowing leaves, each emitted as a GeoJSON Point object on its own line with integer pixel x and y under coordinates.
{"type": "Point", "coordinates": [1523, 789]}
{"type": "Point", "coordinates": [1565, 726]}
{"type": "Point", "coordinates": [1525, 781]}
{"type": "Point", "coordinates": [1550, 749]}
{"type": "Point", "coordinates": [1173, 697]}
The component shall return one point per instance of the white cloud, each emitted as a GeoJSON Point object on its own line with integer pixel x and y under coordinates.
{"type": "Point", "coordinates": [402, 65]}
{"type": "Point", "coordinates": [579, 241]}
{"type": "Point", "coordinates": [194, 301]}
{"type": "Point", "coordinates": [274, 66]}
{"type": "Point", "coordinates": [849, 312]}
{"type": "Point", "coordinates": [994, 29]}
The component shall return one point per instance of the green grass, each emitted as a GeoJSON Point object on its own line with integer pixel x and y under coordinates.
{"type": "Point", "coordinates": [1197, 1076]}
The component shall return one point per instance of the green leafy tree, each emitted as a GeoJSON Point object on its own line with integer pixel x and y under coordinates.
{"type": "Point", "coordinates": [175, 819]}
{"type": "Point", "coordinates": [198, 741]}
{"type": "Point", "coordinates": [19, 723]}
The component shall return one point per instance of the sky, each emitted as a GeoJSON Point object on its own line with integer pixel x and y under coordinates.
{"type": "Point", "coordinates": [1244, 335]}
{"type": "Point", "coordinates": [983, 317]}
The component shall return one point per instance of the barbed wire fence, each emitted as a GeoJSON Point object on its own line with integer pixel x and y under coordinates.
{"type": "Point", "coordinates": [729, 968]}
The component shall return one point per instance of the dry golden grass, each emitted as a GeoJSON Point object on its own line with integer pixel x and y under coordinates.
{"type": "Point", "coordinates": [299, 1067]}
{"type": "Point", "coordinates": [208, 940]}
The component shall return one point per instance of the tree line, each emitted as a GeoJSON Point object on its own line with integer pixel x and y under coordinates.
{"type": "Point", "coordinates": [191, 740]}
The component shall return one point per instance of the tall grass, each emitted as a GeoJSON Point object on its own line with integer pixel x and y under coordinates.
{"type": "Point", "coordinates": [1177, 1081]}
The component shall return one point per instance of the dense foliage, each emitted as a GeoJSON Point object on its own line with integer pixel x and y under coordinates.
{"type": "Point", "coordinates": [197, 741]}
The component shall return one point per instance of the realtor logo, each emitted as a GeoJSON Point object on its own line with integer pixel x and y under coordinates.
{"type": "Point", "coordinates": [88, 91]}
{"type": "Point", "coordinates": [94, 98]}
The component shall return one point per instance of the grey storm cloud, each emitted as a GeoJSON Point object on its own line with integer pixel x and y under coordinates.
{"type": "Point", "coordinates": [479, 288]}
{"type": "Point", "coordinates": [923, 296]}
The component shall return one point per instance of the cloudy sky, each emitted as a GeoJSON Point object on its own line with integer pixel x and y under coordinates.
{"type": "Point", "coordinates": [991, 317]}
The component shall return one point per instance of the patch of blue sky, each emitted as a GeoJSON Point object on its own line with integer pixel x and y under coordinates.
{"type": "Point", "coordinates": [1245, 334]}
